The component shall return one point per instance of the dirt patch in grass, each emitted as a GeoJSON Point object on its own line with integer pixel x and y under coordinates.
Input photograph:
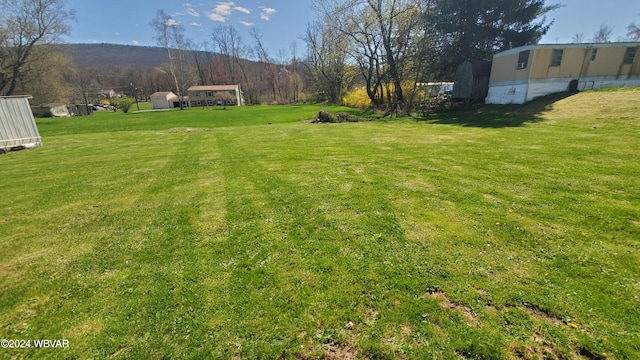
{"type": "Point", "coordinates": [446, 303]}
{"type": "Point", "coordinates": [338, 352]}
{"type": "Point", "coordinates": [539, 349]}
{"type": "Point", "coordinates": [542, 315]}
{"type": "Point", "coordinates": [180, 130]}
{"type": "Point", "coordinates": [406, 329]}
{"type": "Point", "coordinates": [90, 327]}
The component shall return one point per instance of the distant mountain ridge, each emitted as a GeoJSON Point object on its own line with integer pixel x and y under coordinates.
{"type": "Point", "coordinates": [113, 55]}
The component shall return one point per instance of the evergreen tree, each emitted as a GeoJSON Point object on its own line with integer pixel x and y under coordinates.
{"type": "Point", "coordinates": [476, 29]}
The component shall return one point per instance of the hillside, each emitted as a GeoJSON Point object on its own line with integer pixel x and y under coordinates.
{"type": "Point", "coordinates": [112, 55]}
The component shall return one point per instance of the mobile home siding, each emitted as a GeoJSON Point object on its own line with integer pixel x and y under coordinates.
{"type": "Point", "coordinates": [505, 69]}
{"type": "Point", "coordinates": [17, 124]}
{"type": "Point", "coordinates": [542, 76]}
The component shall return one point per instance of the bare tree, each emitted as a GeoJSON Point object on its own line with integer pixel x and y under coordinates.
{"type": "Point", "coordinates": [269, 69]}
{"type": "Point", "coordinates": [84, 85]}
{"type": "Point", "coordinates": [24, 25]}
{"type": "Point", "coordinates": [395, 28]}
{"type": "Point", "coordinates": [45, 78]}
{"type": "Point", "coordinates": [210, 60]}
{"type": "Point", "coordinates": [578, 38]}
{"type": "Point", "coordinates": [170, 35]}
{"type": "Point", "coordinates": [603, 35]}
{"type": "Point", "coordinates": [327, 52]}
{"type": "Point", "coordinates": [634, 31]}
{"type": "Point", "coordinates": [199, 58]}
{"type": "Point", "coordinates": [232, 53]}
{"type": "Point", "coordinates": [284, 76]}
{"type": "Point", "coordinates": [228, 43]}
{"type": "Point", "coordinates": [295, 84]}
{"type": "Point", "coordinates": [381, 34]}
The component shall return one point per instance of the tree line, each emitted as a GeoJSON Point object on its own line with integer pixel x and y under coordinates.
{"type": "Point", "coordinates": [388, 46]}
{"type": "Point", "coordinates": [381, 47]}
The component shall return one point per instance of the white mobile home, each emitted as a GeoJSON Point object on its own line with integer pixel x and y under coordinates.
{"type": "Point", "coordinates": [18, 128]}
{"type": "Point", "coordinates": [525, 73]}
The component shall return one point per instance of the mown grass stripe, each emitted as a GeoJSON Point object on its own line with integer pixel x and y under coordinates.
{"type": "Point", "coordinates": [385, 239]}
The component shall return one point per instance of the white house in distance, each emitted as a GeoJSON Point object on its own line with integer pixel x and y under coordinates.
{"type": "Point", "coordinates": [107, 94]}
{"type": "Point", "coordinates": [211, 95]}
{"type": "Point", "coordinates": [163, 99]}
{"type": "Point", "coordinates": [525, 73]}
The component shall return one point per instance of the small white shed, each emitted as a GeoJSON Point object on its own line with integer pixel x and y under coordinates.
{"type": "Point", "coordinates": [163, 99]}
{"type": "Point", "coordinates": [18, 128]}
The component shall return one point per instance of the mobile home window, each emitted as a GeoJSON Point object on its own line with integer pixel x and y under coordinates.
{"type": "Point", "coordinates": [629, 54]}
{"type": "Point", "coordinates": [209, 94]}
{"type": "Point", "coordinates": [556, 57]}
{"type": "Point", "coordinates": [594, 54]}
{"type": "Point", "coordinates": [523, 59]}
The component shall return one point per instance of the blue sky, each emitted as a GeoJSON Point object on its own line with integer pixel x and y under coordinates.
{"type": "Point", "coordinates": [282, 22]}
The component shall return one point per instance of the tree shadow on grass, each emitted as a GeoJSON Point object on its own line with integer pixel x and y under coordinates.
{"type": "Point", "coordinates": [498, 116]}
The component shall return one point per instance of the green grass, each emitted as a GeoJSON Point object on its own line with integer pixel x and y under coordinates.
{"type": "Point", "coordinates": [216, 116]}
{"type": "Point", "coordinates": [494, 233]}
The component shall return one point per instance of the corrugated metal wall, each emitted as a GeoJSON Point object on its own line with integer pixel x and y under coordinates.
{"type": "Point", "coordinates": [17, 125]}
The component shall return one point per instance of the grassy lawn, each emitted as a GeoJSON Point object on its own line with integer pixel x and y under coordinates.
{"type": "Point", "coordinates": [494, 233]}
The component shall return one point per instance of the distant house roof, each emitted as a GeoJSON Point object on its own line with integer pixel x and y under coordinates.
{"type": "Point", "coordinates": [107, 93]}
{"type": "Point", "coordinates": [214, 88]}
{"type": "Point", "coordinates": [169, 95]}
{"type": "Point", "coordinates": [162, 93]}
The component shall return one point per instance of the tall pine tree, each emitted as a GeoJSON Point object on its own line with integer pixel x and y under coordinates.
{"type": "Point", "coordinates": [476, 29]}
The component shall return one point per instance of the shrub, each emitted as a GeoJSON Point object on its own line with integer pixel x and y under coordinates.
{"type": "Point", "coordinates": [124, 103]}
{"type": "Point", "coordinates": [434, 105]}
{"type": "Point", "coordinates": [357, 98]}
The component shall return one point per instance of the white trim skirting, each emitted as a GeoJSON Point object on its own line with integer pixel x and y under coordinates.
{"type": "Point", "coordinates": [519, 92]}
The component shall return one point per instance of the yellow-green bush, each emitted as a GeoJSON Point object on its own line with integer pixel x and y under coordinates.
{"type": "Point", "coordinates": [358, 98]}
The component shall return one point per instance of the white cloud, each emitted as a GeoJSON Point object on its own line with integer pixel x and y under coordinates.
{"type": "Point", "coordinates": [172, 22]}
{"type": "Point", "coordinates": [242, 9]}
{"type": "Point", "coordinates": [267, 13]}
{"type": "Point", "coordinates": [135, 42]}
{"type": "Point", "coordinates": [216, 17]}
{"type": "Point", "coordinates": [191, 11]}
{"type": "Point", "coordinates": [221, 12]}
{"type": "Point", "coordinates": [246, 23]}
{"type": "Point", "coordinates": [117, 33]}
{"type": "Point", "coordinates": [196, 24]}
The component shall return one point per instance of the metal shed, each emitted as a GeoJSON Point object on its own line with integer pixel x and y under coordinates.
{"type": "Point", "coordinates": [18, 128]}
{"type": "Point", "coordinates": [472, 81]}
